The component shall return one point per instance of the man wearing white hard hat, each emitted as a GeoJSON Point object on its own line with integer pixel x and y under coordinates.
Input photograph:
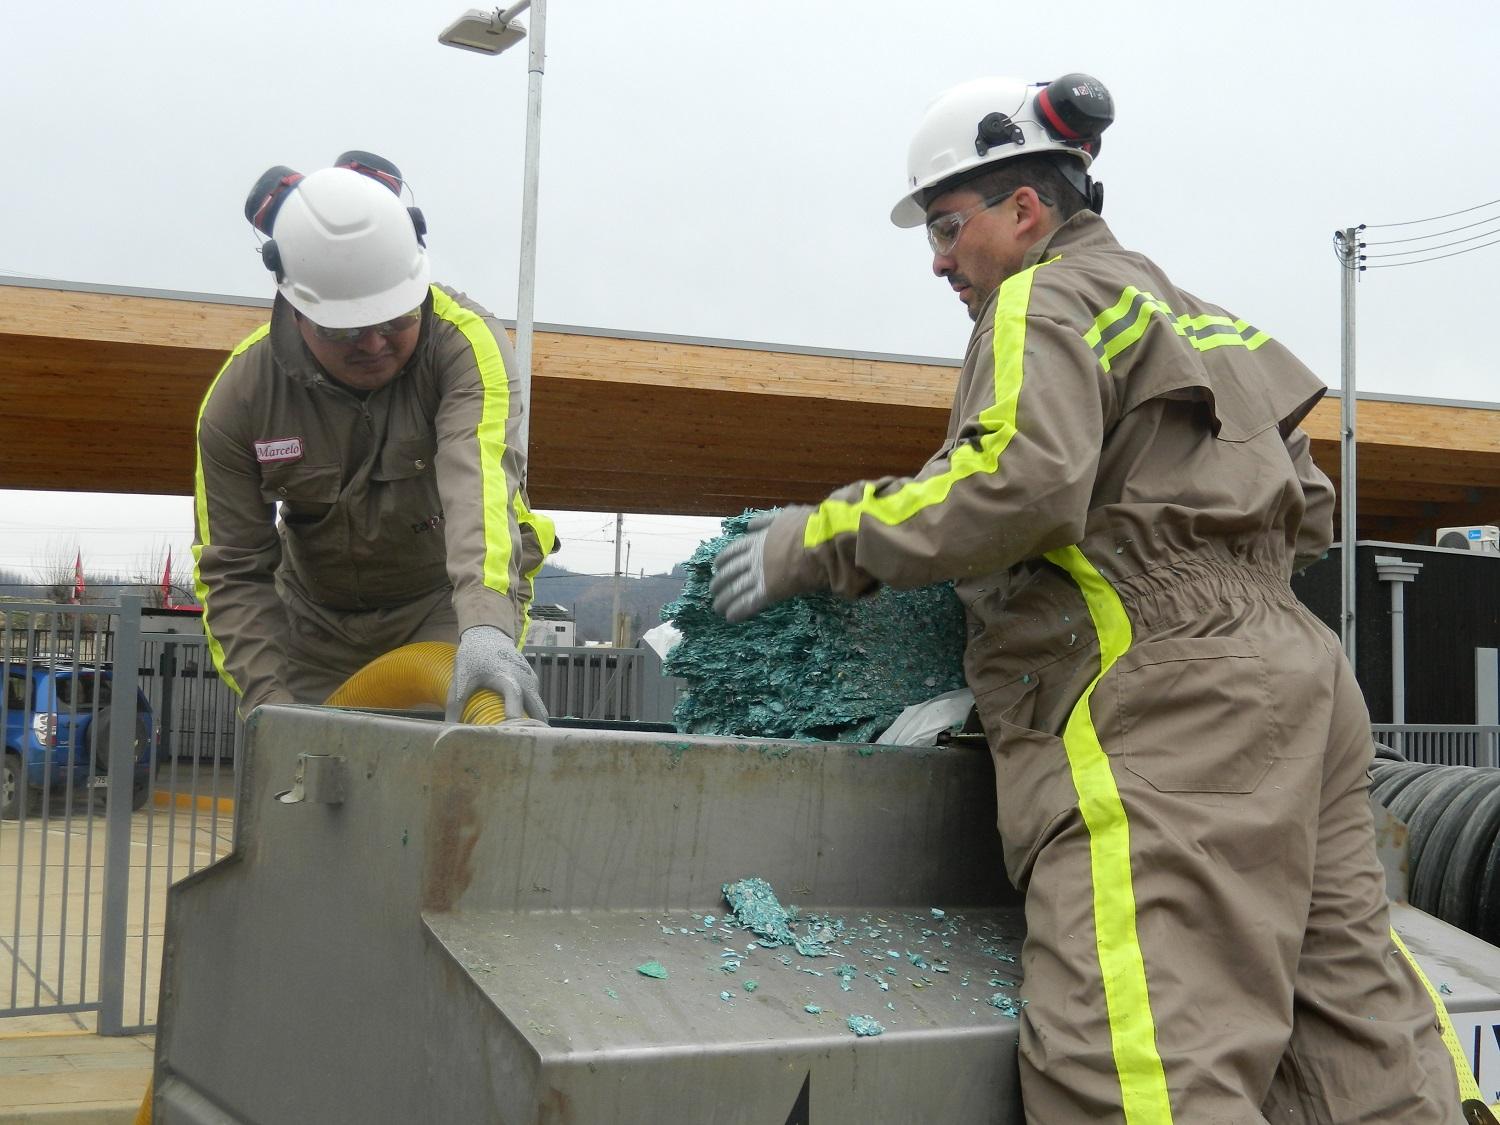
{"type": "Point", "coordinates": [1180, 747]}
{"type": "Point", "coordinates": [378, 412]}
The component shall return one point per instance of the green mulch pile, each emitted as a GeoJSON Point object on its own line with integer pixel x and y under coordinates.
{"type": "Point", "coordinates": [817, 667]}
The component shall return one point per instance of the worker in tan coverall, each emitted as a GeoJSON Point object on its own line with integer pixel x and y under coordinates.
{"type": "Point", "coordinates": [1180, 747]}
{"type": "Point", "coordinates": [380, 413]}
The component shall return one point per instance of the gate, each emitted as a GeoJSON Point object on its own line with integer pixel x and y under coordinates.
{"type": "Point", "coordinates": [120, 772]}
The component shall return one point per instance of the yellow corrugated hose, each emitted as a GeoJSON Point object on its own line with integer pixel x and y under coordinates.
{"type": "Point", "coordinates": [415, 675]}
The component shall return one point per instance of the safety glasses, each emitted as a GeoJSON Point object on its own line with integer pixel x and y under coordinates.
{"type": "Point", "coordinates": [943, 231]}
{"type": "Point", "coordinates": [392, 327]}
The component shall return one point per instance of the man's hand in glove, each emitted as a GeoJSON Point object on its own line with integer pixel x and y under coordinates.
{"type": "Point", "coordinates": [488, 658]}
{"type": "Point", "coordinates": [739, 582]}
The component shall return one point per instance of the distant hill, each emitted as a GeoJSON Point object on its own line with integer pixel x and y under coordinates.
{"type": "Point", "coordinates": [591, 598]}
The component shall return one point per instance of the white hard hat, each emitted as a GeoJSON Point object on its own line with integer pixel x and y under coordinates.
{"type": "Point", "coordinates": [993, 119]}
{"type": "Point", "coordinates": [349, 254]}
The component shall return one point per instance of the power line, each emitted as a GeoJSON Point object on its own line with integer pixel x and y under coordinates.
{"type": "Point", "coordinates": [1436, 233]}
{"type": "Point", "coordinates": [1439, 246]}
{"type": "Point", "coordinates": [1429, 219]}
{"type": "Point", "coordinates": [1434, 258]}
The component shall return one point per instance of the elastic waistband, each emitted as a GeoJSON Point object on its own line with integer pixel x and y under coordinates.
{"type": "Point", "coordinates": [1174, 590]}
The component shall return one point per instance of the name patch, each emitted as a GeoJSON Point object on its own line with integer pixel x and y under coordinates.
{"type": "Point", "coordinates": [278, 449]}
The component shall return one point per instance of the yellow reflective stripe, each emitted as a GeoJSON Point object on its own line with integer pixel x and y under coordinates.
{"type": "Point", "coordinates": [200, 509]}
{"type": "Point", "coordinates": [546, 534]}
{"type": "Point", "coordinates": [490, 435]}
{"type": "Point", "coordinates": [836, 517]}
{"type": "Point", "coordinates": [1123, 323]}
{"type": "Point", "coordinates": [1468, 1088]}
{"type": "Point", "coordinates": [1132, 1027]}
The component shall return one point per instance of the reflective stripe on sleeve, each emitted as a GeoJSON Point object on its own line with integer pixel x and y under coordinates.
{"type": "Point", "coordinates": [200, 510]}
{"type": "Point", "coordinates": [546, 534]}
{"type": "Point", "coordinates": [490, 435]}
{"type": "Point", "coordinates": [1126, 321]}
{"type": "Point", "coordinates": [998, 420]}
{"type": "Point", "coordinates": [1122, 966]}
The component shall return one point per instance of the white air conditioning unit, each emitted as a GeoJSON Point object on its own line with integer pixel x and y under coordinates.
{"type": "Point", "coordinates": [1483, 538]}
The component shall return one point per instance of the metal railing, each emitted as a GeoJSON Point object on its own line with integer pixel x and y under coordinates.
{"type": "Point", "coordinates": [1440, 744]}
{"type": "Point", "coordinates": [83, 882]}
{"type": "Point", "coordinates": [606, 684]}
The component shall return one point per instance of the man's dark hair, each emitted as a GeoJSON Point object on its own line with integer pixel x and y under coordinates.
{"type": "Point", "coordinates": [1038, 172]}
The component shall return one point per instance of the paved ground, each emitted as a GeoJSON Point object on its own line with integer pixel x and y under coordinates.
{"type": "Point", "coordinates": [53, 1068]}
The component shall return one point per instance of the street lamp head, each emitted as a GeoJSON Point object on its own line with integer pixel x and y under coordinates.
{"type": "Point", "coordinates": [485, 32]}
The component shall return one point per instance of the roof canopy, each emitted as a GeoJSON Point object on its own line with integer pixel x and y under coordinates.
{"type": "Point", "coordinates": [100, 391]}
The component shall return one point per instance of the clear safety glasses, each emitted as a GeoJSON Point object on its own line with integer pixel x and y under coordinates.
{"type": "Point", "coordinates": [943, 231]}
{"type": "Point", "coordinates": [393, 327]}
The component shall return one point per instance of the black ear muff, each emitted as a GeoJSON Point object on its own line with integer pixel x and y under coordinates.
{"type": "Point", "coordinates": [271, 256]}
{"type": "Point", "coordinates": [1075, 108]}
{"type": "Point", "coordinates": [267, 196]}
{"type": "Point", "coordinates": [378, 168]}
{"type": "Point", "coordinates": [1096, 197]}
{"type": "Point", "coordinates": [419, 223]}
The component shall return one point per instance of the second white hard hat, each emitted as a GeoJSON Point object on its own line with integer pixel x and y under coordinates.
{"type": "Point", "coordinates": [349, 252]}
{"type": "Point", "coordinates": [989, 120]}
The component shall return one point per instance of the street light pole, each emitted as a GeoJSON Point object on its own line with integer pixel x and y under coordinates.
{"type": "Point", "coordinates": [491, 34]}
{"type": "Point", "coordinates": [526, 286]}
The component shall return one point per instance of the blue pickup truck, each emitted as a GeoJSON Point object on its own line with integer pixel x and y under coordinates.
{"type": "Point", "coordinates": [57, 721]}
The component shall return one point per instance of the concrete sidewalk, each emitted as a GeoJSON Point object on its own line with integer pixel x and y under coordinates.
{"type": "Point", "coordinates": [54, 1068]}
{"type": "Point", "coordinates": [55, 1071]}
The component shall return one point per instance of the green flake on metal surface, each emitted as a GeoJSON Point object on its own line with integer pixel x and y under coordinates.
{"type": "Point", "coordinates": [611, 993]}
{"type": "Point", "coordinates": [813, 1010]}
{"type": "Point", "coordinates": [755, 907]}
{"type": "Point", "coordinates": [652, 969]}
{"type": "Point", "coordinates": [813, 668]}
{"type": "Point", "coordinates": [751, 985]}
{"type": "Point", "coordinates": [1006, 1004]}
{"type": "Point", "coordinates": [864, 1025]}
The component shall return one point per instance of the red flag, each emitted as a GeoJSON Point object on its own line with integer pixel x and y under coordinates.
{"type": "Point", "coordinates": [78, 578]}
{"type": "Point", "coordinates": [166, 582]}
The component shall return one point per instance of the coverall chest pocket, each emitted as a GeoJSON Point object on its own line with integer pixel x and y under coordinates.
{"type": "Point", "coordinates": [1192, 715]}
{"type": "Point", "coordinates": [404, 458]}
{"type": "Point", "coordinates": [306, 492]}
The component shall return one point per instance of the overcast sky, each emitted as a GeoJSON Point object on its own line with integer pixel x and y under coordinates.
{"type": "Point", "coordinates": [726, 170]}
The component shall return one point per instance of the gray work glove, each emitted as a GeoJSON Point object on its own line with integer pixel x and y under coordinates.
{"type": "Point", "coordinates": [739, 582]}
{"type": "Point", "coordinates": [488, 658]}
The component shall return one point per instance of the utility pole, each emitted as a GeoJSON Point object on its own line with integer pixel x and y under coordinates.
{"type": "Point", "coordinates": [1346, 242]}
{"type": "Point", "coordinates": [614, 617]}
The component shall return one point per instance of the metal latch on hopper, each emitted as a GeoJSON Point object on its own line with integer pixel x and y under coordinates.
{"type": "Point", "coordinates": [320, 779]}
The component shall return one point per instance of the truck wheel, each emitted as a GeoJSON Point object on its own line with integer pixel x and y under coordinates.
{"type": "Point", "coordinates": [12, 788]}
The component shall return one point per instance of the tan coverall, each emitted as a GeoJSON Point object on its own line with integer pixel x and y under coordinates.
{"type": "Point", "coordinates": [403, 514]}
{"type": "Point", "coordinates": [1180, 747]}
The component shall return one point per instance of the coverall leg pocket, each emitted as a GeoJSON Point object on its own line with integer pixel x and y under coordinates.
{"type": "Point", "coordinates": [1193, 714]}
{"type": "Point", "coordinates": [1033, 789]}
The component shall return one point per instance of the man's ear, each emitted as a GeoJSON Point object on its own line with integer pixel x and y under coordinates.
{"type": "Point", "coordinates": [1031, 212]}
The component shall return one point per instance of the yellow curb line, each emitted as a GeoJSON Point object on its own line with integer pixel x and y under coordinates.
{"type": "Point", "coordinates": [163, 798]}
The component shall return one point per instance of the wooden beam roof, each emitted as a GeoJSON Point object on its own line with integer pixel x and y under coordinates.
{"type": "Point", "coordinates": [99, 392]}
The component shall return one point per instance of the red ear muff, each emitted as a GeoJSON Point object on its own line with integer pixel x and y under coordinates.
{"type": "Point", "coordinates": [378, 168]}
{"type": "Point", "coordinates": [267, 196]}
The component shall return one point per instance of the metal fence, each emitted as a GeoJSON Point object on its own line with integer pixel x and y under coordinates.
{"type": "Point", "coordinates": [109, 797]}
{"type": "Point", "coordinates": [109, 803]}
{"type": "Point", "coordinates": [1442, 745]}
